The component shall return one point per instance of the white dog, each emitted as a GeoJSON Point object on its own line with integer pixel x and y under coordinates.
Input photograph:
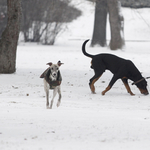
{"type": "Point", "coordinates": [52, 80]}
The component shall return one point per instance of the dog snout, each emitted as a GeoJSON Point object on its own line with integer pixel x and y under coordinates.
{"type": "Point", "coordinates": [145, 92]}
{"type": "Point", "coordinates": [54, 74]}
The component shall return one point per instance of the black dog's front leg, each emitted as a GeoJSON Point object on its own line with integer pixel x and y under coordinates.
{"type": "Point", "coordinates": [93, 80]}
{"type": "Point", "coordinates": [113, 80]}
{"type": "Point", "coordinates": [125, 81]}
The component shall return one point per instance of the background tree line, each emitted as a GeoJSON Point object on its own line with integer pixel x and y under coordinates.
{"type": "Point", "coordinates": [42, 20]}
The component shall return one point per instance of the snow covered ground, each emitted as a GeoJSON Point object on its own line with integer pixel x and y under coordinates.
{"type": "Point", "coordinates": [84, 121]}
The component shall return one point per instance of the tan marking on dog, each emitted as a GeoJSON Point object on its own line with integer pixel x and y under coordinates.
{"type": "Point", "coordinates": [92, 85]}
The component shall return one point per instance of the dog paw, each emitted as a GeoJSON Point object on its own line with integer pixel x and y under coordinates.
{"type": "Point", "coordinates": [103, 93]}
{"type": "Point", "coordinates": [93, 92]}
{"type": "Point", "coordinates": [48, 107]}
{"type": "Point", "coordinates": [58, 104]}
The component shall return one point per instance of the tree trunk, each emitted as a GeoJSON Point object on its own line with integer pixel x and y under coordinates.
{"type": "Point", "coordinates": [9, 40]}
{"type": "Point", "coordinates": [116, 24]}
{"type": "Point", "coordinates": [99, 33]}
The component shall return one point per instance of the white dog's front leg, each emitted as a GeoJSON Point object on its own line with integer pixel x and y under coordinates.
{"type": "Point", "coordinates": [59, 99]}
{"type": "Point", "coordinates": [46, 88]}
{"type": "Point", "coordinates": [54, 94]}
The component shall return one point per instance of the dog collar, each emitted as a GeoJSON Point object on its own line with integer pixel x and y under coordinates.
{"type": "Point", "coordinates": [140, 80]}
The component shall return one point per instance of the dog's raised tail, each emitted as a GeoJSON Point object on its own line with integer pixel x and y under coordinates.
{"type": "Point", "coordinates": [83, 49]}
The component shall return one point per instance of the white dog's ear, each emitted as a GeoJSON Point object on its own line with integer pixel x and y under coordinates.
{"type": "Point", "coordinates": [50, 63]}
{"type": "Point", "coordinates": [59, 63]}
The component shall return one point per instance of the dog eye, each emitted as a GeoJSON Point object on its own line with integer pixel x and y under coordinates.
{"type": "Point", "coordinates": [52, 68]}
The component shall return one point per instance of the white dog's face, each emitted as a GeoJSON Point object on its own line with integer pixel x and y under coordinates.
{"type": "Point", "coordinates": [54, 72]}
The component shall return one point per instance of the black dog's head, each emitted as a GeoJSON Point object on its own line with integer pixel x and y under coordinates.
{"type": "Point", "coordinates": [142, 87]}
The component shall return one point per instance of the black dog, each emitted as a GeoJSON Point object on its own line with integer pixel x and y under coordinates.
{"type": "Point", "coordinates": [121, 68]}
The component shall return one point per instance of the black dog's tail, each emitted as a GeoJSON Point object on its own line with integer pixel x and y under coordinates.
{"type": "Point", "coordinates": [83, 50]}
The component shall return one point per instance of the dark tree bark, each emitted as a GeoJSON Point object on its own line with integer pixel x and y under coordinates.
{"type": "Point", "coordinates": [9, 39]}
{"type": "Point", "coordinates": [116, 24]}
{"type": "Point", "coordinates": [99, 32]}
{"type": "Point", "coordinates": [113, 7]}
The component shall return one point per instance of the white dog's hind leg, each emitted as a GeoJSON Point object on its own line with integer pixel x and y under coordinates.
{"type": "Point", "coordinates": [46, 88]}
{"type": "Point", "coordinates": [54, 94]}
{"type": "Point", "coordinates": [59, 99]}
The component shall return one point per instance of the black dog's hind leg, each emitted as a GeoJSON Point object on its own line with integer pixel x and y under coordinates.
{"type": "Point", "coordinates": [125, 81]}
{"type": "Point", "coordinates": [93, 80]}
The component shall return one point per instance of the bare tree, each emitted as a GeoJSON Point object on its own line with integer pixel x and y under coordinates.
{"type": "Point", "coordinates": [9, 39]}
{"type": "Point", "coordinates": [116, 24]}
{"type": "Point", "coordinates": [43, 20]}
{"type": "Point", "coordinates": [3, 16]}
{"type": "Point", "coordinates": [32, 16]}
{"type": "Point", "coordinates": [99, 31]}
{"type": "Point", "coordinates": [113, 7]}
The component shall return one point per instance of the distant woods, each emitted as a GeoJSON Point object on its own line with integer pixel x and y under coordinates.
{"type": "Point", "coordinates": [42, 20]}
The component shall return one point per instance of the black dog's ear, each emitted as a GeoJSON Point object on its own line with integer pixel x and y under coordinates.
{"type": "Point", "coordinates": [59, 63]}
{"type": "Point", "coordinates": [50, 63]}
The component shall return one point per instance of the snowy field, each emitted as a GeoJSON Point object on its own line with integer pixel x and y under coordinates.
{"type": "Point", "coordinates": [84, 121]}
